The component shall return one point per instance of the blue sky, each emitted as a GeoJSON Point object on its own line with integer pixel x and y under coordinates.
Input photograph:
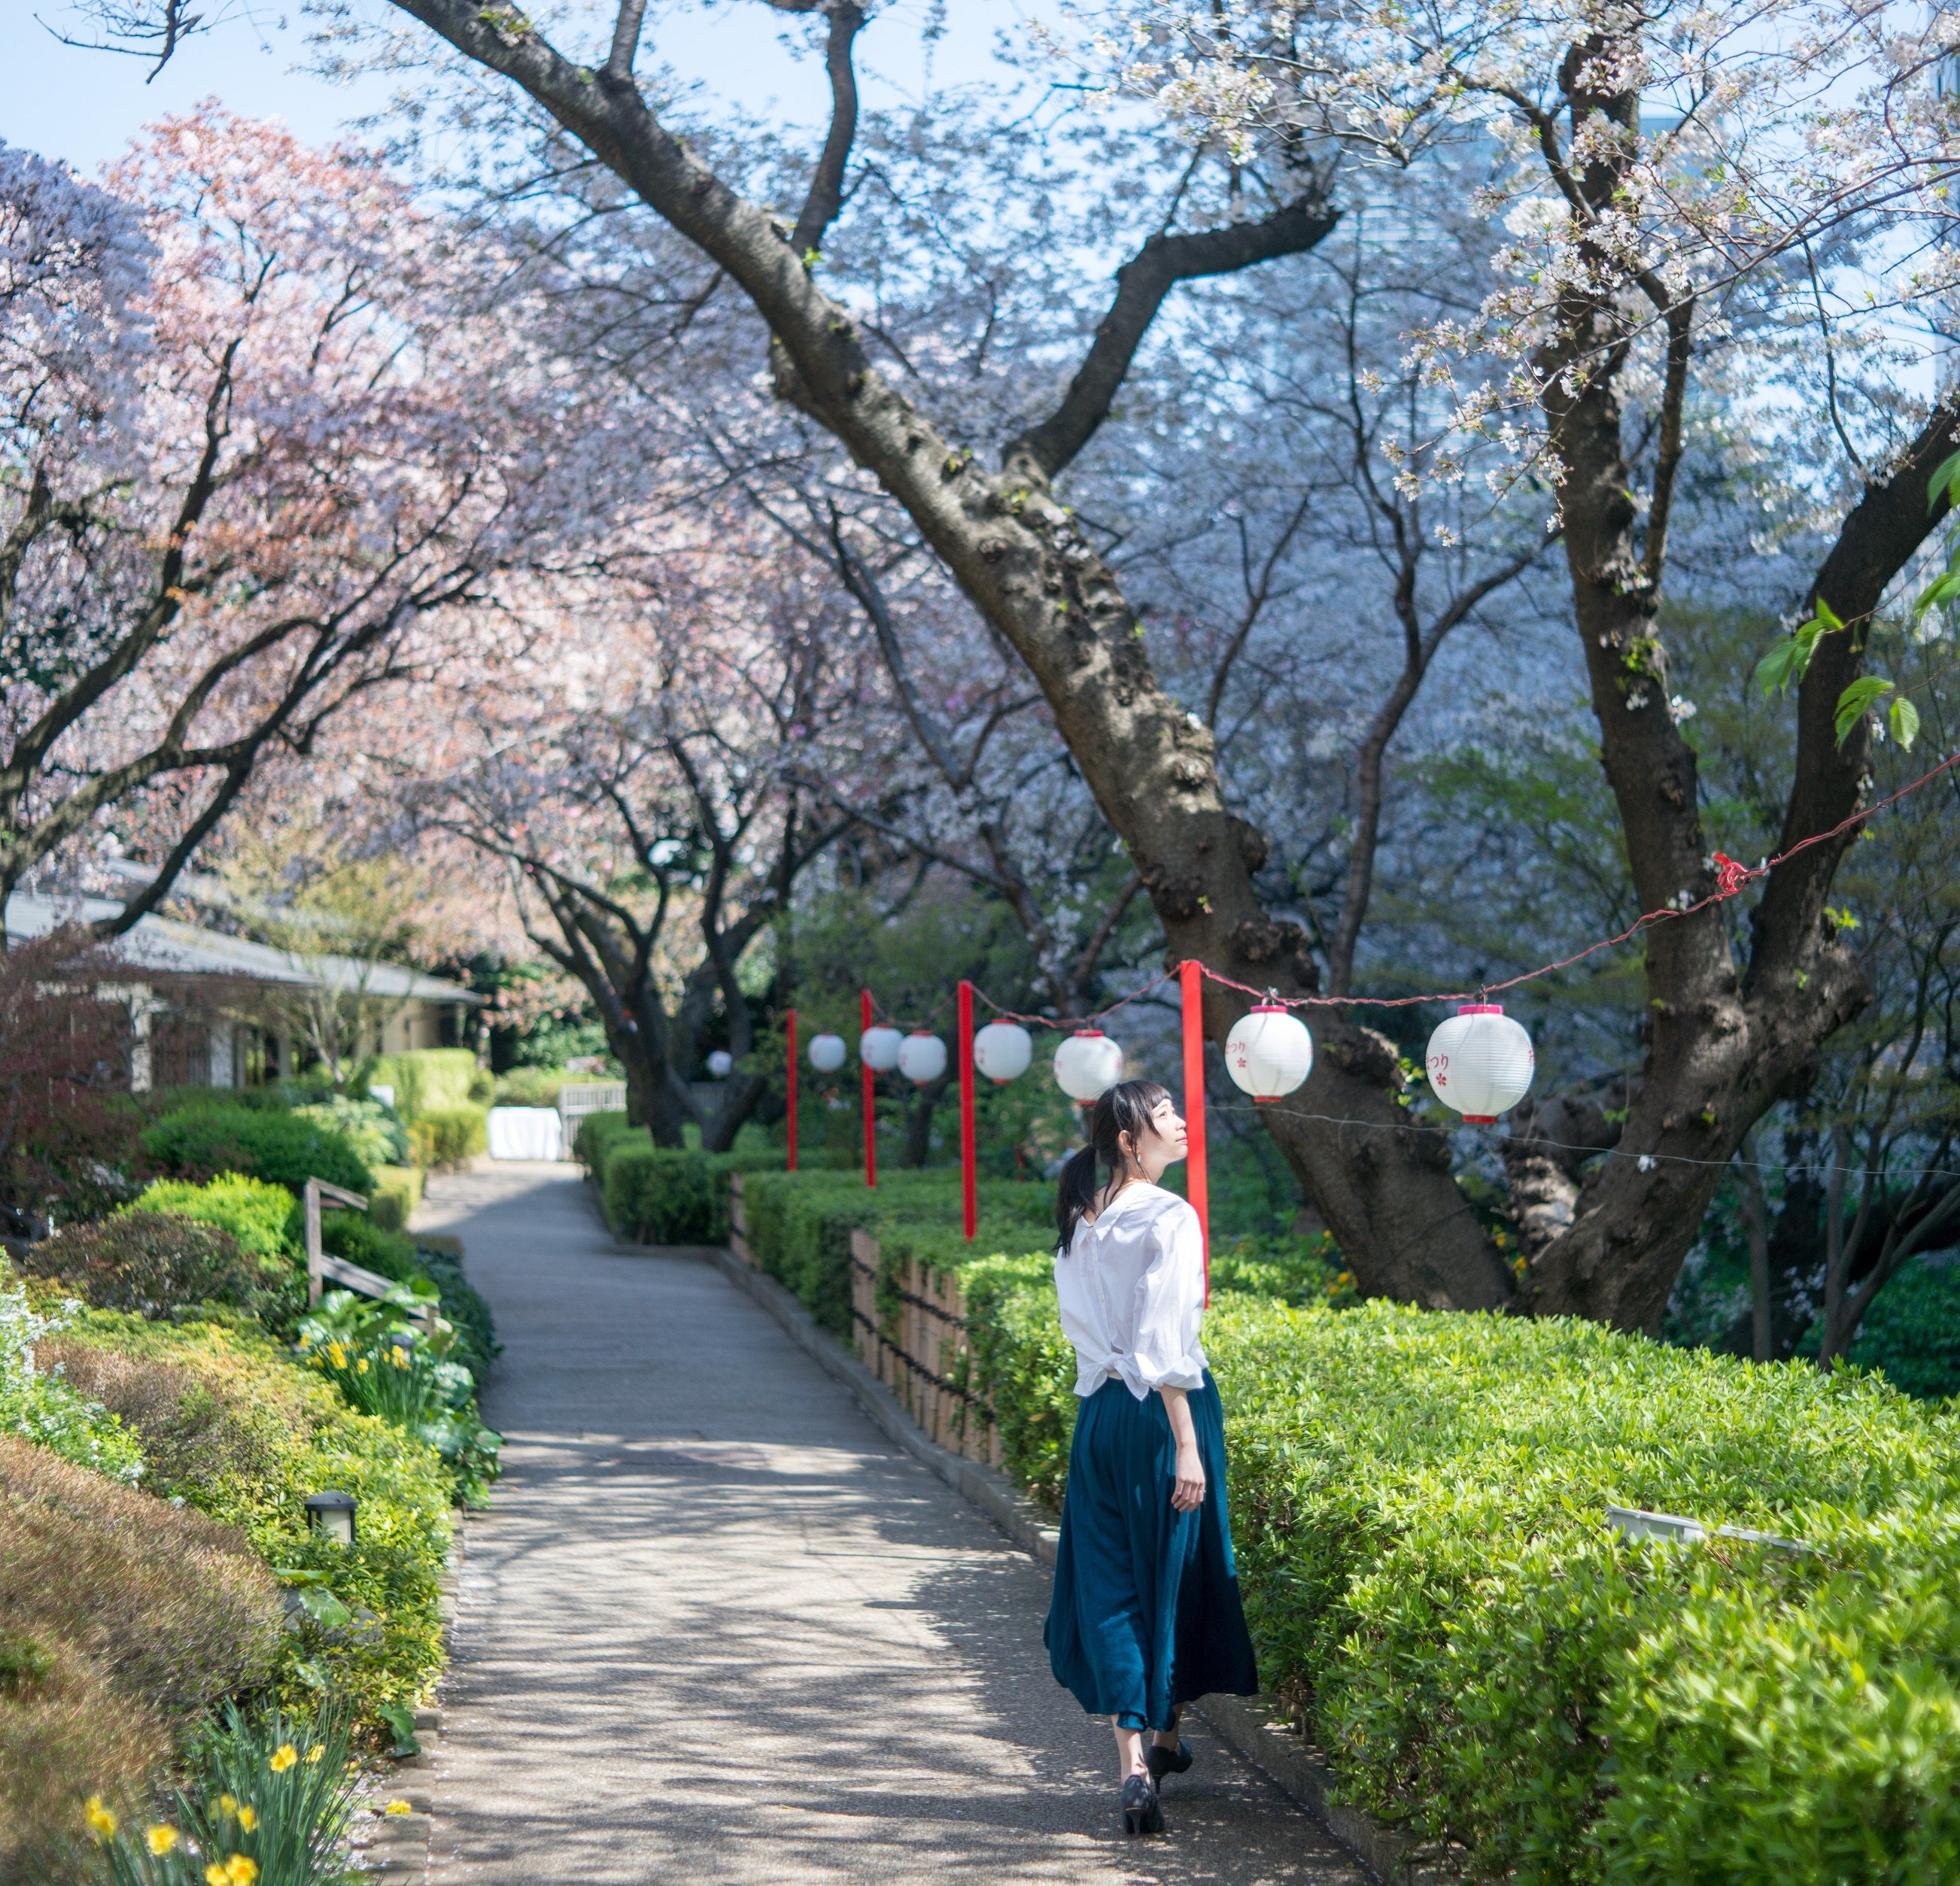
{"type": "Point", "coordinates": [85, 106]}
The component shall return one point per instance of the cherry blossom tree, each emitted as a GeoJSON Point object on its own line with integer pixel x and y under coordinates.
{"type": "Point", "coordinates": [1690, 193]}
{"type": "Point", "coordinates": [640, 773]}
{"type": "Point", "coordinates": [260, 447]}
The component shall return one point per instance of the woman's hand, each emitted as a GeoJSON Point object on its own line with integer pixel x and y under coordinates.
{"type": "Point", "coordinates": [1188, 1495]}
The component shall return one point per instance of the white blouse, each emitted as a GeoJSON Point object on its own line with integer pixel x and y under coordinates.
{"type": "Point", "coordinates": [1132, 1291]}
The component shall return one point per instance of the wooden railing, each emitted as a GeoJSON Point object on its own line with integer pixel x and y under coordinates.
{"type": "Point", "coordinates": [916, 1344]}
{"type": "Point", "coordinates": [323, 1268]}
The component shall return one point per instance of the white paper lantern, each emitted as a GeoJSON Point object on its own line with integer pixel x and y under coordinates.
{"type": "Point", "coordinates": [827, 1053]}
{"type": "Point", "coordinates": [1088, 1063]}
{"type": "Point", "coordinates": [922, 1057]}
{"type": "Point", "coordinates": [1002, 1051]}
{"type": "Point", "coordinates": [1480, 1062]}
{"type": "Point", "coordinates": [878, 1048]}
{"type": "Point", "coordinates": [1268, 1053]}
{"type": "Point", "coordinates": [720, 1064]}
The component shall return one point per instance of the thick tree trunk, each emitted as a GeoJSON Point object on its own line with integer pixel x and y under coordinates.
{"type": "Point", "coordinates": [1722, 1048]}
{"type": "Point", "coordinates": [1384, 1188]}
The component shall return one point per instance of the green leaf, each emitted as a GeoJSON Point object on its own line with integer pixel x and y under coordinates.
{"type": "Point", "coordinates": [1774, 671]}
{"type": "Point", "coordinates": [1785, 667]}
{"type": "Point", "coordinates": [1856, 702]}
{"type": "Point", "coordinates": [401, 1719]}
{"type": "Point", "coordinates": [1942, 591]}
{"type": "Point", "coordinates": [1904, 719]}
{"type": "Point", "coordinates": [331, 1613]}
{"type": "Point", "coordinates": [1946, 478]}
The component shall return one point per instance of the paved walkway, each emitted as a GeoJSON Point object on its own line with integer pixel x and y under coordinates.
{"type": "Point", "coordinates": [716, 1628]}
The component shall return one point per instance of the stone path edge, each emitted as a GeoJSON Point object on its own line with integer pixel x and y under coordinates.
{"type": "Point", "coordinates": [1245, 1723]}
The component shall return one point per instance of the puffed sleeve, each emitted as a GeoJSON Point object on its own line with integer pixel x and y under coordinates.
{"type": "Point", "coordinates": [1170, 1305]}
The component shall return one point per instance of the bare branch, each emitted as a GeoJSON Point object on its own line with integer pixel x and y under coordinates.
{"type": "Point", "coordinates": [1141, 285]}
{"type": "Point", "coordinates": [826, 188]}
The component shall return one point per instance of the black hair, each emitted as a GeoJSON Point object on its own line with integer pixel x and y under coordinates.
{"type": "Point", "coordinates": [1125, 1108]}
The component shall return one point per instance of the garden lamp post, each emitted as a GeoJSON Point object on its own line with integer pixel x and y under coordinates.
{"type": "Point", "coordinates": [331, 1514]}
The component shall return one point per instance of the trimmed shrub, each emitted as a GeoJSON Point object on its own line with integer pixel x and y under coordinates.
{"type": "Point", "coordinates": [120, 1614]}
{"type": "Point", "coordinates": [156, 1263]}
{"type": "Point", "coordinates": [800, 1226]}
{"type": "Point", "coordinates": [662, 1195]}
{"type": "Point", "coordinates": [598, 1133]}
{"type": "Point", "coordinates": [374, 1132]}
{"type": "Point", "coordinates": [1419, 1506]}
{"type": "Point", "coordinates": [359, 1240]}
{"type": "Point", "coordinates": [531, 1086]}
{"type": "Point", "coordinates": [259, 1215]}
{"type": "Point", "coordinates": [427, 1080]}
{"type": "Point", "coordinates": [395, 1193]}
{"type": "Point", "coordinates": [659, 1195]}
{"type": "Point", "coordinates": [444, 1138]}
{"type": "Point", "coordinates": [201, 1143]}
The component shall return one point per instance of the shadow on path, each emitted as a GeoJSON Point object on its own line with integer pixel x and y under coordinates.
{"type": "Point", "coordinates": [716, 1629]}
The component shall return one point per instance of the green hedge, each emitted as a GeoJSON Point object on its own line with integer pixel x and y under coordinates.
{"type": "Point", "coordinates": [1419, 1505]}
{"type": "Point", "coordinates": [392, 1200]}
{"type": "Point", "coordinates": [430, 1080]}
{"type": "Point", "coordinates": [661, 1195]}
{"type": "Point", "coordinates": [800, 1226]}
{"type": "Point", "coordinates": [202, 1143]}
{"type": "Point", "coordinates": [446, 1138]}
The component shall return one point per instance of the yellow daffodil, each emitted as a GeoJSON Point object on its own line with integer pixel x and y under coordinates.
{"type": "Point", "coordinates": [248, 1818]}
{"type": "Point", "coordinates": [360, 1367]}
{"type": "Point", "coordinates": [227, 1804]}
{"type": "Point", "coordinates": [398, 1357]}
{"type": "Point", "coordinates": [101, 1822]}
{"type": "Point", "coordinates": [318, 1750]}
{"type": "Point", "coordinates": [305, 1339]}
{"type": "Point", "coordinates": [336, 1355]}
{"type": "Point", "coordinates": [160, 1838]}
{"type": "Point", "coordinates": [398, 1807]}
{"type": "Point", "coordinates": [216, 1876]}
{"type": "Point", "coordinates": [240, 1870]}
{"type": "Point", "coordinates": [284, 1756]}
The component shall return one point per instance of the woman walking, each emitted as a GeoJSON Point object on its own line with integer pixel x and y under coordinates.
{"type": "Point", "coordinates": [1146, 1613]}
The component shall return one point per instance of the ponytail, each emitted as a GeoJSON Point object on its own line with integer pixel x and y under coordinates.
{"type": "Point", "coordinates": [1125, 1108]}
{"type": "Point", "coordinates": [1075, 1194]}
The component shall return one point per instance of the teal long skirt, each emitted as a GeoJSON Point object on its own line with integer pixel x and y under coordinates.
{"type": "Point", "coordinates": [1146, 1614]}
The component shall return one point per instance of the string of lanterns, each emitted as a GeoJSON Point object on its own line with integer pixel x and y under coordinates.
{"type": "Point", "coordinates": [1479, 1062]}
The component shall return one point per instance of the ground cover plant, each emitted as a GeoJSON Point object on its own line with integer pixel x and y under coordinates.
{"type": "Point", "coordinates": [232, 1427]}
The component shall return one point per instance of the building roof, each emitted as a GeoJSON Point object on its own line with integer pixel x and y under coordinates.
{"type": "Point", "coordinates": [164, 946]}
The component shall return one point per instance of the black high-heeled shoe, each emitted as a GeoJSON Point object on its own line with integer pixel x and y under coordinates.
{"type": "Point", "coordinates": [1168, 1761]}
{"type": "Point", "coordinates": [1141, 1813]}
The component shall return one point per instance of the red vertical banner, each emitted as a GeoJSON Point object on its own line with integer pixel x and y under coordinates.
{"type": "Point", "coordinates": [792, 1064]}
{"type": "Point", "coordinates": [871, 1090]}
{"type": "Point", "coordinates": [969, 1204]}
{"type": "Point", "coordinates": [1190, 979]}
